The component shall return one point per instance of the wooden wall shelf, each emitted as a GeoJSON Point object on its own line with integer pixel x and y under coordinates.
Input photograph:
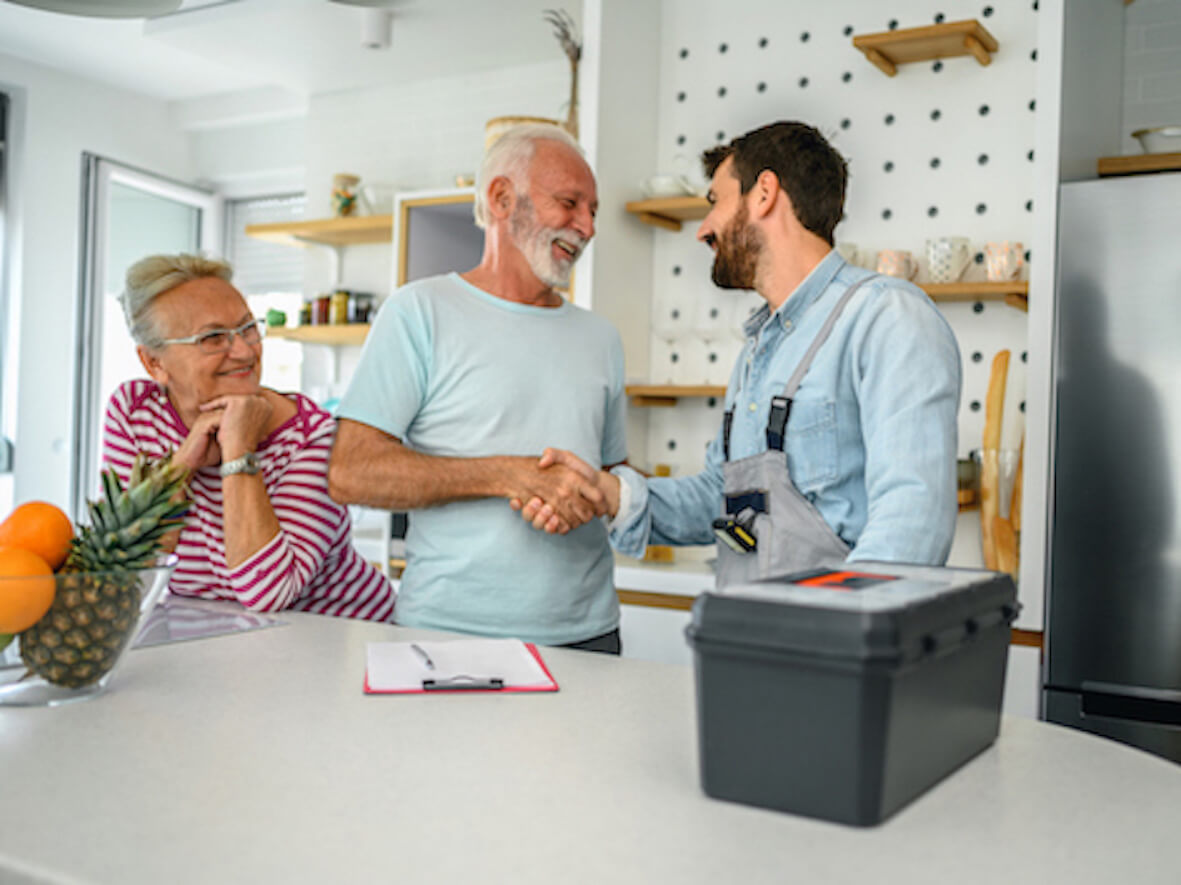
{"type": "Point", "coordinates": [1014, 293]}
{"type": "Point", "coordinates": [669, 394]}
{"type": "Point", "coordinates": [888, 49]}
{"type": "Point", "coordinates": [1139, 164]}
{"type": "Point", "coordinates": [349, 334]}
{"type": "Point", "coordinates": [669, 212]}
{"type": "Point", "coordinates": [327, 231]}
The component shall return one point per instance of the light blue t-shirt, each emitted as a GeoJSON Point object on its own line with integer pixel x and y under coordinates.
{"type": "Point", "coordinates": [454, 371]}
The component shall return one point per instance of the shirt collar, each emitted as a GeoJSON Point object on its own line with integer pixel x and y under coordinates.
{"type": "Point", "coordinates": [809, 290]}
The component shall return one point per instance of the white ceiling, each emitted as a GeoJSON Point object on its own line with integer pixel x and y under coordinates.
{"type": "Point", "coordinates": [210, 47]}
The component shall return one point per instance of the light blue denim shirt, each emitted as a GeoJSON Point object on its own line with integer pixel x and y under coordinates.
{"type": "Point", "coordinates": [871, 441]}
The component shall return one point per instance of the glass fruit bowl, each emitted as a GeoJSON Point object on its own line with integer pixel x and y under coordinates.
{"type": "Point", "coordinates": [74, 650]}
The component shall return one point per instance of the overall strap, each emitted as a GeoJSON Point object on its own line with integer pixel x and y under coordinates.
{"type": "Point", "coordinates": [781, 405]}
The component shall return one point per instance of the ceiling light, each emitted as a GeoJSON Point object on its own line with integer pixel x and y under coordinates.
{"type": "Point", "coordinates": [104, 8]}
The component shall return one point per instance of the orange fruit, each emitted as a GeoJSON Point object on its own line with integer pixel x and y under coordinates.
{"type": "Point", "coordinates": [27, 587]}
{"type": "Point", "coordinates": [41, 528]}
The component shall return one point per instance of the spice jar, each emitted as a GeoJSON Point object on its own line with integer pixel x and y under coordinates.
{"type": "Point", "coordinates": [338, 308]}
{"type": "Point", "coordinates": [305, 313]}
{"type": "Point", "coordinates": [320, 310]}
{"type": "Point", "coordinates": [360, 307]}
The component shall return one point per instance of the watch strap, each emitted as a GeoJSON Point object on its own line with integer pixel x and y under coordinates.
{"type": "Point", "coordinates": [248, 463]}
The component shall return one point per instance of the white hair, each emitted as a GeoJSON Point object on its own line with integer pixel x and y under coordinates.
{"type": "Point", "coordinates": [510, 156]}
{"type": "Point", "coordinates": [151, 277]}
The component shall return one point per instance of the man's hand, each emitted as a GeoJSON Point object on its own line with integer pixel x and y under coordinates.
{"type": "Point", "coordinates": [544, 517]}
{"type": "Point", "coordinates": [568, 492]}
{"type": "Point", "coordinates": [242, 423]}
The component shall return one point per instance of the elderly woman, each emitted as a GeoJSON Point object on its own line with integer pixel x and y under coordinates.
{"type": "Point", "coordinates": [261, 528]}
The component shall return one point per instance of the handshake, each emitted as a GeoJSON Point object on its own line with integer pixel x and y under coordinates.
{"type": "Point", "coordinates": [560, 492]}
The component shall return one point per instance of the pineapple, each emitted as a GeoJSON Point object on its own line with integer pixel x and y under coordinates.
{"type": "Point", "coordinates": [93, 615]}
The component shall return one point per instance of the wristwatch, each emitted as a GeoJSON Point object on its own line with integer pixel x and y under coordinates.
{"type": "Point", "coordinates": [248, 463]}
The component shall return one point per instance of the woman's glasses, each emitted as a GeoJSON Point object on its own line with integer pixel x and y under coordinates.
{"type": "Point", "coordinates": [221, 340]}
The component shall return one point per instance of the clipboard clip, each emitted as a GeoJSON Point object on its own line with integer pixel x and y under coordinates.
{"type": "Point", "coordinates": [461, 682]}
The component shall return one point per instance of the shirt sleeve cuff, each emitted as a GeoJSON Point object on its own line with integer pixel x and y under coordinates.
{"type": "Point", "coordinates": [628, 530]}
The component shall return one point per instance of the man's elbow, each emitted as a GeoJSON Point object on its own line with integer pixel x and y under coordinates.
{"type": "Point", "coordinates": [340, 488]}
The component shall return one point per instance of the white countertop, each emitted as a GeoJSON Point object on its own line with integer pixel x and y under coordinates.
{"type": "Point", "coordinates": [257, 758]}
{"type": "Point", "coordinates": [689, 574]}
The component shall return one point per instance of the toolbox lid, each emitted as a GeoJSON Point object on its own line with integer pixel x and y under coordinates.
{"type": "Point", "coordinates": [873, 611]}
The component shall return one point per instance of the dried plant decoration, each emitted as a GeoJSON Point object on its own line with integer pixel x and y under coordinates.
{"type": "Point", "coordinates": [563, 26]}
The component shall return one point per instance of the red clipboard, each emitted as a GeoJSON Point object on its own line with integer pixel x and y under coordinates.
{"type": "Point", "coordinates": [464, 689]}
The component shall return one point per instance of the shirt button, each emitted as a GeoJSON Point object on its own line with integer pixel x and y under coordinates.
{"type": "Point", "coordinates": [787, 324]}
{"type": "Point", "coordinates": [753, 407]}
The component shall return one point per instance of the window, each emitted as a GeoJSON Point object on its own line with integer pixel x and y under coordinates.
{"type": "Point", "coordinates": [270, 275]}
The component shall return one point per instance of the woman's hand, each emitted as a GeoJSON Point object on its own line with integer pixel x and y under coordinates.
{"type": "Point", "coordinates": [200, 448]}
{"type": "Point", "coordinates": [241, 424]}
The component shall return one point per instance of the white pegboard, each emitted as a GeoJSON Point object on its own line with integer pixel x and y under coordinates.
{"type": "Point", "coordinates": [938, 150]}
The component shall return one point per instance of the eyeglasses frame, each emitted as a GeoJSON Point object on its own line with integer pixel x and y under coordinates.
{"type": "Point", "coordinates": [240, 332]}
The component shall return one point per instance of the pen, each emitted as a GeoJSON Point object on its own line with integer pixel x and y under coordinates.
{"type": "Point", "coordinates": [426, 659]}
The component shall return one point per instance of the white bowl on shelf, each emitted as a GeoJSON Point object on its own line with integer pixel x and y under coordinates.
{"type": "Point", "coordinates": [1159, 139]}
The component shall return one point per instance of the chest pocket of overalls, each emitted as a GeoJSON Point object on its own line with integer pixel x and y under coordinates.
{"type": "Point", "coordinates": [812, 450]}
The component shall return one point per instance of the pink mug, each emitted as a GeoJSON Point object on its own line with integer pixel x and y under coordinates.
{"type": "Point", "coordinates": [897, 263]}
{"type": "Point", "coordinates": [1003, 260]}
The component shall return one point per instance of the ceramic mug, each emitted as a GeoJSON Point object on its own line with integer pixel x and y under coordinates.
{"type": "Point", "coordinates": [897, 263]}
{"type": "Point", "coordinates": [666, 186]}
{"type": "Point", "coordinates": [851, 252]}
{"type": "Point", "coordinates": [1004, 260]}
{"type": "Point", "coordinates": [947, 258]}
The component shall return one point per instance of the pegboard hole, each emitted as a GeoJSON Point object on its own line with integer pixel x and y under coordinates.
{"type": "Point", "coordinates": [762, 87]}
{"type": "Point", "coordinates": [721, 135]}
{"type": "Point", "coordinates": [889, 119]}
{"type": "Point", "coordinates": [846, 123]}
{"type": "Point", "coordinates": [1029, 156]}
{"type": "Point", "coordinates": [847, 76]}
{"type": "Point", "coordinates": [674, 357]}
{"type": "Point", "coordinates": [762, 42]}
{"type": "Point", "coordinates": [672, 444]}
{"type": "Point", "coordinates": [1022, 406]}
{"type": "Point", "coordinates": [722, 47]}
{"type": "Point", "coordinates": [680, 139]}
{"type": "Point", "coordinates": [981, 208]}
{"type": "Point", "coordinates": [977, 356]}
{"type": "Point", "coordinates": [848, 32]}
{"type": "Point", "coordinates": [932, 211]}
{"type": "Point", "coordinates": [1025, 356]}
{"type": "Point", "coordinates": [1029, 205]}
{"type": "Point", "coordinates": [803, 82]}
{"type": "Point", "coordinates": [975, 407]}
{"type": "Point", "coordinates": [978, 307]}
{"type": "Point", "coordinates": [684, 53]}
{"type": "Point", "coordinates": [934, 162]}
{"type": "Point", "coordinates": [676, 270]}
{"type": "Point", "coordinates": [939, 18]}
{"type": "Point", "coordinates": [721, 92]}
{"type": "Point", "coordinates": [1033, 104]}
{"type": "Point", "coordinates": [712, 402]}
{"type": "Point", "coordinates": [893, 26]}
{"type": "Point", "coordinates": [937, 67]}
{"type": "Point", "coordinates": [680, 96]}
{"type": "Point", "coordinates": [936, 114]}
{"type": "Point", "coordinates": [983, 110]}
{"type": "Point", "coordinates": [987, 11]}
{"type": "Point", "coordinates": [982, 159]}
{"type": "Point", "coordinates": [888, 166]}
{"type": "Point", "coordinates": [887, 214]}
{"type": "Point", "coordinates": [805, 37]}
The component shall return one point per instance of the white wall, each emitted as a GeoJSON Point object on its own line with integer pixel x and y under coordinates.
{"type": "Point", "coordinates": [57, 118]}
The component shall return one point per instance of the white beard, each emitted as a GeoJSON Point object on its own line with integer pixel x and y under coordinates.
{"type": "Point", "coordinates": [536, 244]}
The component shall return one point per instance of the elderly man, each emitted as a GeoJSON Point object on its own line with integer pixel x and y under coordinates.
{"type": "Point", "coordinates": [464, 380]}
{"type": "Point", "coordinates": [839, 437]}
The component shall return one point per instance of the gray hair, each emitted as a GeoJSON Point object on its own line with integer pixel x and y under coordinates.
{"type": "Point", "coordinates": [510, 156]}
{"type": "Point", "coordinates": [151, 277]}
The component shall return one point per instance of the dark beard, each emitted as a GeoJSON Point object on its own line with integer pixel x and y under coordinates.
{"type": "Point", "coordinates": [737, 253]}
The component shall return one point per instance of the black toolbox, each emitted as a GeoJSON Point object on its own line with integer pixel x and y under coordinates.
{"type": "Point", "coordinates": [844, 694]}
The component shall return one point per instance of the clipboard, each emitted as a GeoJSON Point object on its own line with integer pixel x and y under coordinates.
{"type": "Point", "coordinates": [456, 666]}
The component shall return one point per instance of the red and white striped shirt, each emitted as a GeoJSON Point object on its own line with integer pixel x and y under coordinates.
{"type": "Point", "coordinates": [310, 565]}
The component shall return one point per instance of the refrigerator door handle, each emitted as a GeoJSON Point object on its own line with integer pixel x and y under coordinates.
{"type": "Point", "coordinates": [1159, 706]}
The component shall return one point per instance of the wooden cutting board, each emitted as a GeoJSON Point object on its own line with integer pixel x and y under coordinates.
{"type": "Point", "coordinates": [994, 405]}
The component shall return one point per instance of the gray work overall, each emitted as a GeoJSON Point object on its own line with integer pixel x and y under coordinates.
{"type": "Point", "coordinates": [761, 503]}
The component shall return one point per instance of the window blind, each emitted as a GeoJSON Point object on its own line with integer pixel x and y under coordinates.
{"type": "Point", "coordinates": [261, 267]}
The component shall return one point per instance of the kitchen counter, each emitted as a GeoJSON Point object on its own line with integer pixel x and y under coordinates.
{"type": "Point", "coordinates": [257, 758]}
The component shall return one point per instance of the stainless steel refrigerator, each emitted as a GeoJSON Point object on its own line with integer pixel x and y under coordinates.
{"type": "Point", "coordinates": [1113, 653]}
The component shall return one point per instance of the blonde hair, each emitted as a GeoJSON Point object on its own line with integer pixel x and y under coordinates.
{"type": "Point", "coordinates": [153, 276]}
{"type": "Point", "coordinates": [510, 156]}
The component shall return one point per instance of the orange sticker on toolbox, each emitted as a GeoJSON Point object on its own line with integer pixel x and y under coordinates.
{"type": "Point", "coordinates": [843, 580]}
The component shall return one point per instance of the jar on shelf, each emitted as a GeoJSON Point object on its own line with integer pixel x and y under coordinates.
{"type": "Point", "coordinates": [360, 307]}
{"type": "Point", "coordinates": [305, 313]}
{"type": "Point", "coordinates": [338, 307]}
{"type": "Point", "coordinates": [320, 310]}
